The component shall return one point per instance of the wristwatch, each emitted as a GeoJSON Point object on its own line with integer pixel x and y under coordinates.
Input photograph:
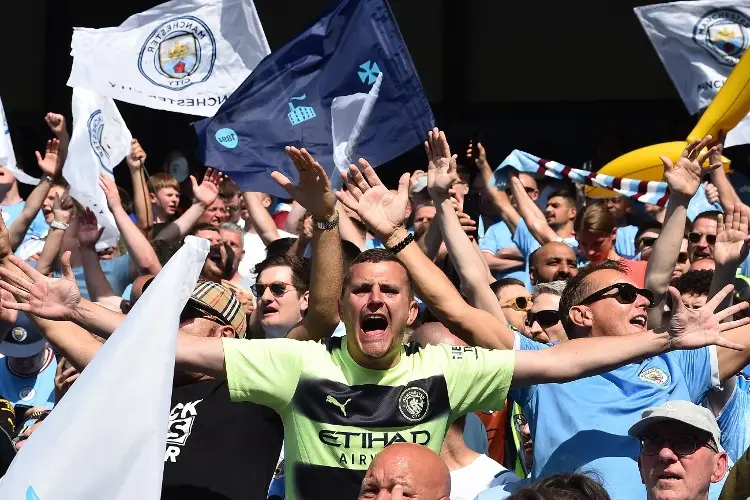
{"type": "Point", "coordinates": [56, 224]}
{"type": "Point", "coordinates": [325, 225]}
{"type": "Point", "coordinates": [48, 178]}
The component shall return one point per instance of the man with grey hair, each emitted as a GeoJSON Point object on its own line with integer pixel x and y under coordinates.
{"type": "Point", "coordinates": [543, 320]}
{"type": "Point", "coordinates": [680, 456]}
{"type": "Point", "coordinates": [233, 237]}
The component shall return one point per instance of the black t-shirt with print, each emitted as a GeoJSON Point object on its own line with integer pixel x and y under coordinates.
{"type": "Point", "coordinates": [216, 449]}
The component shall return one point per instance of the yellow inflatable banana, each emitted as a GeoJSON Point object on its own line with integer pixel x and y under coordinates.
{"type": "Point", "coordinates": [730, 105]}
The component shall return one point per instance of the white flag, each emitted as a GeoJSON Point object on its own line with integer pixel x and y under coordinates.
{"type": "Point", "coordinates": [349, 116]}
{"type": "Point", "coordinates": [699, 43]}
{"type": "Point", "coordinates": [107, 437]}
{"type": "Point", "coordinates": [100, 141]}
{"type": "Point", "coordinates": [186, 56]}
{"type": "Point", "coordinates": [7, 155]}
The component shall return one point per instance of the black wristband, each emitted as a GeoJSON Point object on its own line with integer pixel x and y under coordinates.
{"type": "Point", "coordinates": [402, 244]}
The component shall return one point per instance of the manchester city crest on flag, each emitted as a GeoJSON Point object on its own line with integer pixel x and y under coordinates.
{"type": "Point", "coordinates": [724, 34]}
{"type": "Point", "coordinates": [97, 139]}
{"type": "Point", "coordinates": [178, 53]}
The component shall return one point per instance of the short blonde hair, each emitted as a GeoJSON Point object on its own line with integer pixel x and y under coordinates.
{"type": "Point", "coordinates": [597, 218]}
{"type": "Point", "coordinates": [162, 180]}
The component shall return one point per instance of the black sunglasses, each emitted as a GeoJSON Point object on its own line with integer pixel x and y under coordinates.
{"type": "Point", "coordinates": [278, 288]}
{"type": "Point", "coordinates": [192, 312]}
{"type": "Point", "coordinates": [232, 208]}
{"type": "Point", "coordinates": [647, 241]}
{"type": "Point", "coordinates": [682, 446]}
{"type": "Point", "coordinates": [695, 237]}
{"type": "Point", "coordinates": [626, 294]}
{"type": "Point", "coordinates": [546, 318]}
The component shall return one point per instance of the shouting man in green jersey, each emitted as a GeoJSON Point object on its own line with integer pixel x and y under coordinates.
{"type": "Point", "coordinates": [344, 400]}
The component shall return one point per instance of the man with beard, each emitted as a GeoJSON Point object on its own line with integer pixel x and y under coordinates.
{"type": "Point", "coordinates": [702, 236]}
{"type": "Point", "coordinates": [553, 261]}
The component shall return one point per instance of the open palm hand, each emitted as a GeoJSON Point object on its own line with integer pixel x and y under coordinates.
{"type": "Point", "coordinates": [684, 177]}
{"type": "Point", "coordinates": [696, 328]}
{"type": "Point", "coordinates": [732, 239]}
{"type": "Point", "coordinates": [49, 298]}
{"type": "Point", "coordinates": [380, 209]}
{"type": "Point", "coordinates": [441, 169]}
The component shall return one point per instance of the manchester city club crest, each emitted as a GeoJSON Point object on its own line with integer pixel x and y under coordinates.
{"type": "Point", "coordinates": [178, 53]}
{"type": "Point", "coordinates": [655, 376]}
{"type": "Point", "coordinates": [18, 334]}
{"type": "Point", "coordinates": [724, 34]}
{"type": "Point", "coordinates": [99, 143]}
{"type": "Point", "coordinates": [413, 404]}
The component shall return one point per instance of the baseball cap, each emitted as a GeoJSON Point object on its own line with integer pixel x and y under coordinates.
{"type": "Point", "coordinates": [24, 339]}
{"type": "Point", "coordinates": [681, 411]}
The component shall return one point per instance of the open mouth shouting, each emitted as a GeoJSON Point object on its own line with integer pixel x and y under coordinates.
{"type": "Point", "coordinates": [373, 326]}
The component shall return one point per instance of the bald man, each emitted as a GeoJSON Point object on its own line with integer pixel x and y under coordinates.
{"type": "Point", "coordinates": [406, 470]}
{"type": "Point", "coordinates": [470, 472]}
{"type": "Point", "coordinates": [552, 261]}
{"type": "Point", "coordinates": [703, 265]}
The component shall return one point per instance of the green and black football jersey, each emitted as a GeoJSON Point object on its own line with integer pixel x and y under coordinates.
{"type": "Point", "coordinates": [338, 415]}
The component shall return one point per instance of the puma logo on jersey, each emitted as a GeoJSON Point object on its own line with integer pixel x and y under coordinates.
{"type": "Point", "coordinates": [334, 402]}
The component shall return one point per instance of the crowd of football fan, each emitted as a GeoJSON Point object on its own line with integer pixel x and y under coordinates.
{"type": "Point", "coordinates": [441, 339]}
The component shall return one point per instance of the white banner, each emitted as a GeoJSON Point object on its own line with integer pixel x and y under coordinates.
{"type": "Point", "coordinates": [8, 155]}
{"type": "Point", "coordinates": [100, 141]}
{"type": "Point", "coordinates": [107, 437]}
{"type": "Point", "coordinates": [699, 43]}
{"type": "Point", "coordinates": [186, 56]}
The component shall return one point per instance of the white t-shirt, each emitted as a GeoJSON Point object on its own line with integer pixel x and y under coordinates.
{"type": "Point", "coordinates": [255, 252]}
{"type": "Point", "coordinates": [467, 482]}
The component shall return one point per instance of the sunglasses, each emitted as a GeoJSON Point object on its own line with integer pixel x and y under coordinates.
{"type": "Point", "coordinates": [682, 257]}
{"type": "Point", "coordinates": [682, 446]}
{"type": "Point", "coordinates": [519, 421]}
{"type": "Point", "coordinates": [278, 288]}
{"type": "Point", "coordinates": [626, 294]}
{"type": "Point", "coordinates": [232, 208]}
{"type": "Point", "coordinates": [191, 312]}
{"type": "Point", "coordinates": [695, 237]}
{"type": "Point", "coordinates": [545, 318]}
{"type": "Point", "coordinates": [646, 241]}
{"type": "Point", "coordinates": [518, 303]}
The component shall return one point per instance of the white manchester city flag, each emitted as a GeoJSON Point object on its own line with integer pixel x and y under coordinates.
{"type": "Point", "coordinates": [699, 43]}
{"type": "Point", "coordinates": [107, 437]}
{"type": "Point", "coordinates": [100, 141]}
{"type": "Point", "coordinates": [8, 155]}
{"type": "Point", "coordinates": [186, 56]}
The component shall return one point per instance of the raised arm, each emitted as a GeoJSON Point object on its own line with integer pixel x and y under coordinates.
{"type": "Point", "coordinates": [62, 209]}
{"type": "Point", "coordinates": [728, 197]}
{"type": "Point", "coordinates": [315, 194]}
{"type": "Point", "coordinates": [144, 214]}
{"type": "Point", "coordinates": [499, 198]}
{"type": "Point", "coordinates": [535, 220]}
{"type": "Point", "coordinates": [204, 196]}
{"type": "Point", "coordinates": [50, 166]}
{"type": "Point", "coordinates": [260, 218]}
{"type": "Point", "coordinates": [141, 252]}
{"type": "Point", "coordinates": [383, 212]}
{"type": "Point", "coordinates": [579, 358]}
{"type": "Point", "coordinates": [469, 264]}
{"type": "Point", "coordinates": [683, 179]}
{"type": "Point", "coordinates": [88, 233]}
